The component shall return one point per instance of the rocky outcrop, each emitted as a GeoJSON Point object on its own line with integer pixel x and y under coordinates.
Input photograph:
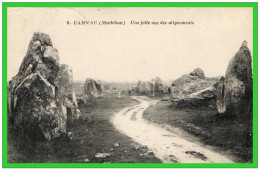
{"type": "Point", "coordinates": [34, 97]}
{"type": "Point", "coordinates": [235, 90]}
{"type": "Point", "coordinates": [65, 93]}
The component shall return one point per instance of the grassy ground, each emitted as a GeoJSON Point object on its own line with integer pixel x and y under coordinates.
{"type": "Point", "coordinates": [97, 135]}
{"type": "Point", "coordinates": [229, 136]}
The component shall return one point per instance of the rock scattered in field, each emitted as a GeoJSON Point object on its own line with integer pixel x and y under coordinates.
{"type": "Point", "coordinates": [116, 144]}
{"type": "Point", "coordinates": [197, 155]}
{"type": "Point", "coordinates": [102, 155]}
{"type": "Point", "coordinates": [189, 84]}
{"type": "Point", "coordinates": [86, 160]}
{"type": "Point", "coordinates": [194, 89]}
{"type": "Point", "coordinates": [92, 90]}
{"type": "Point", "coordinates": [155, 87]}
{"type": "Point", "coordinates": [235, 90]}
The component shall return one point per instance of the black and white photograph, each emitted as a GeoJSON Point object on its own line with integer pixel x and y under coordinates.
{"type": "Point", "coordinates": [130, 85]}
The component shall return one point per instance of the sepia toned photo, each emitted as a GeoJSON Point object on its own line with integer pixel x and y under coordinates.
{"type": "Point", "coordinates": [130, 85]}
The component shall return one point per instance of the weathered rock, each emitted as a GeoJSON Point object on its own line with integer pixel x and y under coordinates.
{"type": "Point", "coordinates": [143, 88]}
{"type": "Point", "coordinates": [193, 90]}
{"type": "Point", "coordinates": [33, 103]}
{"type": "Point", "coordinates": [152, 88]}
{"type": "Point", "coordinates": [100, 88]}
{"type": "Point", "coordinates": [198, 72]}
{"type": "Point", "coordinates": [221, 107]}
{"type": "Point", "coordinates": [36, 107]}
{"type": "Point", "coordinates": [235, 93]}
{"type": "Point", "coordinates": [202, 98]}
{"type": "Point", "coordinates": [90, 91]}
{"type": "Point", "coordinates": [65, 93]}
{"type": "Point", "coordinates": [158, 86]}
{"type": "Point", "coordinates": [41, 57]}
{"type": "Point", "coordinates": [188, 84]}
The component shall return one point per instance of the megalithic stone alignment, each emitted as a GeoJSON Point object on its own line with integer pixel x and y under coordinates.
{"type": "Point", "coordinates": [235, 90]}
{"type": "Point", "coordinates": [90, 91]}
{"type": "Point", "coordinates": [36, 94]}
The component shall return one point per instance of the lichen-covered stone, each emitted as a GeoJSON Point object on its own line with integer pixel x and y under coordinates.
{"type": "Point", "coordinates": [188, 84]}
{"type": "Point", "coordinates": [202, 98]}
{"type": "Point", "coordinates": [235, 91]}
{"type": "Point", "coordinates": [65, 93]}
{"type": "Point", "coordinates": [36, 105]}
{"type": "Point", "coordinates": [33, 103]}
{"type": "Point", "coordinates": [90, 91]}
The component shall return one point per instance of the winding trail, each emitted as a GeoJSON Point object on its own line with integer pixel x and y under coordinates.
{"type": "Point", "coordinates": [166, 145]}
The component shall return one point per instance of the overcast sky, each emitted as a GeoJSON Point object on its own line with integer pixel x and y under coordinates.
{"type": "Point", "coordinates": [133, 52]}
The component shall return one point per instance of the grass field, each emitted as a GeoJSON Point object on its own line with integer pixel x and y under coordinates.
{"type": "Point", "coordinates": [229, 136]}
{"type": "Point", "coordinates": [97, 135]}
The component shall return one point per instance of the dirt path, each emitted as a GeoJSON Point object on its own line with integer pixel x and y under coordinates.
{"type": "Point", "coordinates": [167, 146]}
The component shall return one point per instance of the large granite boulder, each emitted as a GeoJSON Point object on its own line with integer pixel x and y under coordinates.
{"type": "Point", "coordinates": [235, 91]}
{"type": "Point", "coordinates": [90, 91]}
{"type": "Point", "coordinates": [194, 90]}
{"type": "Point", "coordinates": [36, 108]}
{"type": "Point", "coordinates": [203, 98]}
{"type": "Point", "coordinates": [65, 93]}
{"type": "Point", "coordinates": [33, 105]}
{"type": "Point", "coordinates": [190, 83]}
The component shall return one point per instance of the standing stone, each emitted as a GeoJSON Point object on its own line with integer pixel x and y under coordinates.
{"type": "Point", "coordinates": [100, 88]}
{"type": "Point", "coordinates": [90, 91]}
{"type": "Point", "coordinates": [237, 92]}
{"type": "Point", "coordinates": [32, 94]}
{"type": "Point", "coordinates": [158, 87]}
{"type": "Point", "coordinates": [65, 93]}
{"type": "Point", "coordinates": [143, 88]}
{"type": "Point", "coordinates": [220, 95]}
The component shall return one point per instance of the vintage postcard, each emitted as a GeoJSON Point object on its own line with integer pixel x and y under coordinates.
{"type": "Point", "coordinates": [130, 85]}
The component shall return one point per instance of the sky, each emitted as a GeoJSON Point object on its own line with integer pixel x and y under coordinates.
{"type": "Point", "coordinates": [127, 53]}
